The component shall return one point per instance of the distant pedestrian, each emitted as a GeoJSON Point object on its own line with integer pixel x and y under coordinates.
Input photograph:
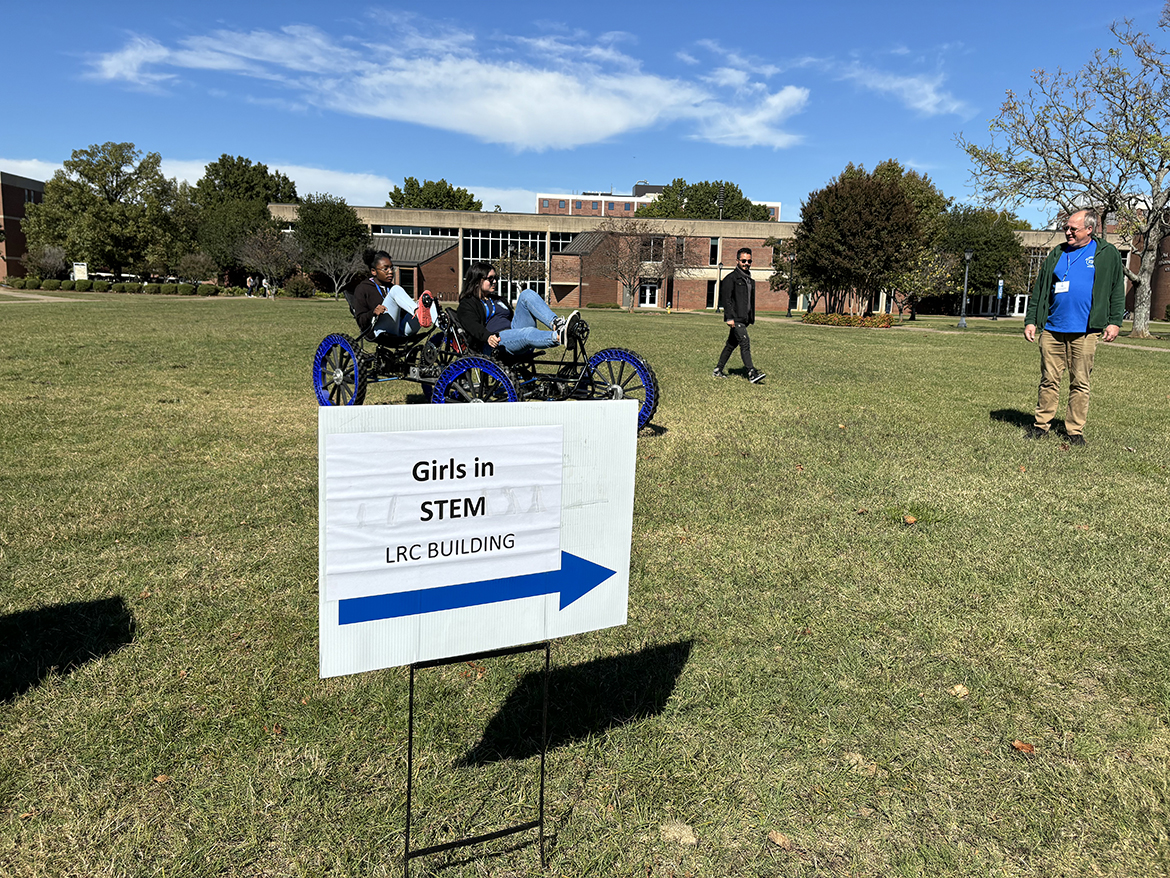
{"type": "Point", "coordinates": [267, 289]}
{"type": "Point", "coordinates": [737, 298]}
{"type": "Point", "coordinates": [1078, 296]}
{"type": "Point", "coordinates": [251, 286]}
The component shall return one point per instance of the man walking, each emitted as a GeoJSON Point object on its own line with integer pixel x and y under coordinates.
{"type": "Point", "coordinates": [737, 298]}
{"type": "Point", "coordinates": [1078, 296]}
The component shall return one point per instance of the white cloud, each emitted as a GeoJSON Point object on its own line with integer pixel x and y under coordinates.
{"type": "Point", "coordinates": [362, 190]}
{"type": "Point", "coordinates": [554, 91]}
{"type": "Point", "coordinates": [509, 200]}
{"type": "Point", "coordinates": [34, 169]}
{"type": "Point", "coordinates": [181, 170]}
{"type": "Point", "coordinates": [756, 125]}
{"type": "Point", "coordinates": [922, 93]}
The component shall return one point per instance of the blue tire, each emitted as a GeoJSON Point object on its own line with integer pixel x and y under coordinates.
{"type": "Point", "coordinates": [339, 372]}
{"type": "Point", "coordinates": [616, 373]}
{"type": "Point", "coordinates": [474, 379]}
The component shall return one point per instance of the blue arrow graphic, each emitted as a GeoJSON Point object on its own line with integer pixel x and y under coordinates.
{"type": "Point", "coordinates": [576, 577]}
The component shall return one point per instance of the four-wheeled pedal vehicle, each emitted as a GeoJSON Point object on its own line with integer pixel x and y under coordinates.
{"type": "Point", "coordinates": [441, 361]}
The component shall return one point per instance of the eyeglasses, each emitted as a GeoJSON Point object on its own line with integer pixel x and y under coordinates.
{"type": "Point", "coordinates": [746, 261]}
{"type": "Point", "coordinates": [491, 278]}
{"type": "Point", "coordinates": [384, 268]}
{"type": "Point", "coordinates": [1074, 229]}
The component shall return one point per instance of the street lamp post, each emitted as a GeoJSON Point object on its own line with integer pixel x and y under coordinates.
{"type": "Point", "coordinates": [791, 267]}
{"type": "Point", "coordinates": [966, 271]}
{"type": "Point", "coordinates": [998, 297]}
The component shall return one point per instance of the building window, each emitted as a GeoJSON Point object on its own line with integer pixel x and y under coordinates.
{"type": "Point", "coordinates": [772, 211]}
{"type": "Point", "coordinates": [578, 205]}
{"type": "Point", "coordinates": [713, 259]}
{"type": "Point", "coordinates": [545, 203]}
{"type": "Point", "coordinates": [628, 205]}
{"type": "Point", "coordinates": [595, 205]}
{"type": "Point", "coordinates": [652, 249]}
{"type": "Point", "coordinates": [562, 204]}
{"type": "Point", "coordinates": [680, 249]}
{"type": "Point", "coordinates": [558, 241]}
{"type": "Point", "coordinates": [610, 206]}
{"type": "Point", "coordinates": [526, 267]}
{"type": "Point", "coordinates": [710, 294]}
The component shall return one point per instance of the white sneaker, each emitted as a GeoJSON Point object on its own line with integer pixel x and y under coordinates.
{"type": "Point", "coordinates": [566, 332]}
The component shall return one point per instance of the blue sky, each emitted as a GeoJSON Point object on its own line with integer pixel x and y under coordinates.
{"type": "Point", "coordinates": [508, 99]}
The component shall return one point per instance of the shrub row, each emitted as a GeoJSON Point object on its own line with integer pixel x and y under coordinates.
{"type": "Point", "coordinates": [105, 286]}
{"type": "Point", "coordinates": [879, 321]}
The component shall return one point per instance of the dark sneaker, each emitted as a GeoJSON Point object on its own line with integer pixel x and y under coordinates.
{"type": "Point", "coordinates": [1078, 439]}
{"type": "Point", "coordinates": [755, 376]}
{"type": "Point", "coordinates": [565, 333]}
{"type": "Point", "coordinates": [558, 323]}
{"type": "Point", "coordinates": [718, 373]}
{"type": "Point", "coordinates": [1035, 433]}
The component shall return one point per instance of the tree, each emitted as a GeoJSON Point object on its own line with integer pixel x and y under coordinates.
{"type": "Point", "coordinates": [231, 204]}
{"type": "Point", "coordinates": [926, 269]}
{"type": "Point", "coordinates": [223, 228]}
{"type": "Point", "coordinates": [47, 261]}
{"type": "Point", "coordinates": [854, 236]}
{"type": "Point", "coordinates": [271, 253]}
{"type": "Point", "coordinates": [1099, 137]}
{"type": "Point", "coordinates": [681, 200]}
{"type": "Point", "coordinates": [196, 267]}
{"type": "Point", "coordinates": [632, 249]}
{"type": "Point", "coordinates": [432, 195]}
{"type": "Point", "coordinates": [331, 238]}
{"type": "Point", "coordinates": [235, 178]}
{"type": "Point", "coordinates": [997, 251]}
{"type": "Point", "coordinates": [109, 206]}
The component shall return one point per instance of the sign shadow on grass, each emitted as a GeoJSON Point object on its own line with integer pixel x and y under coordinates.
{"type": "Point", "coordinates": [584, 700]}
{"type": "Point", "coordinates": [58, 639]}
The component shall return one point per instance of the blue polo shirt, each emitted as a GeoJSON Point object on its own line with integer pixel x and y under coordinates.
{"type": "Point", "coordinates": [1069, 311]}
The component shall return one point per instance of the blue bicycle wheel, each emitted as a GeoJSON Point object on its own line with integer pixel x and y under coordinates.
{"type": "Point", "coordinates": [339, 373]}
{"type": "Point", "coordinates": [474, 379]}
{"type": "Point", "coordinates": [616, 373]}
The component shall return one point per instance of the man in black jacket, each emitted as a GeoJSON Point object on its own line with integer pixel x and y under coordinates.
{"type": "Point", "coordinates": [737, 298]}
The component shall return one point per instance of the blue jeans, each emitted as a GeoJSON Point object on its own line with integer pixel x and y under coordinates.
{"type": "Point", "coordinates": [399, 317]}
{"type": "Point", "coordinates": [524, 335]}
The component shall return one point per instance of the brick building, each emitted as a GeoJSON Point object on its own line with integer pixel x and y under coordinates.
{"type": "Point", "coordinates": [603, 204]}
{"type": "Point", "coordinates": [15, 193]}
{"type": "Point", "coordinates": [550, 253]}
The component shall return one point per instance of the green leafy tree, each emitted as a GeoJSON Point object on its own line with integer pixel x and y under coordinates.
{"type": "Point", "coordinates": [432, 195]}
{"type": "Point", "coordinates": [223, 227]}
{"type": "Point", "coordinates": [1099, 136]}
{"type": "Point", "coordinates": [230, 203]}
{"type": "Point", "coordinates": [682, 200]}
{"type": "Point", "coordinates": [109, 206]}
{"type": "Point", "coordinates": [996, 250]}
{"type": "Point", "coordinates": [235, 178]}
{"type": "Point", "coordinates": [332, 238]}
{"type": "Point", "coordinates": [854, 236]}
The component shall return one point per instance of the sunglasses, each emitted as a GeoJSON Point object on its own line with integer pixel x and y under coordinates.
{"type": "Point", "coordinates": [491, 278]}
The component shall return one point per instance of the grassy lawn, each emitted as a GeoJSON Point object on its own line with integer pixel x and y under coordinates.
{"type": "Point", "coordinates": [853, 588]}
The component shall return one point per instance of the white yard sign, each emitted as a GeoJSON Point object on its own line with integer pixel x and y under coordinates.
{"type": "Point", "coordinates": [452, 529]}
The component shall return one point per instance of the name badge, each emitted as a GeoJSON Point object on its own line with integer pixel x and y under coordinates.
{"type": "Point", "coordinates": [1061, 286]}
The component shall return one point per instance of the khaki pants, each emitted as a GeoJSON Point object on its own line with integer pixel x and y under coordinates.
{"type": "Point", "coordinates": [1059, 351]}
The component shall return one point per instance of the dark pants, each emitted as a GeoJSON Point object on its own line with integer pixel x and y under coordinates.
{"type": "Point", "coordinates": [737, 337]}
